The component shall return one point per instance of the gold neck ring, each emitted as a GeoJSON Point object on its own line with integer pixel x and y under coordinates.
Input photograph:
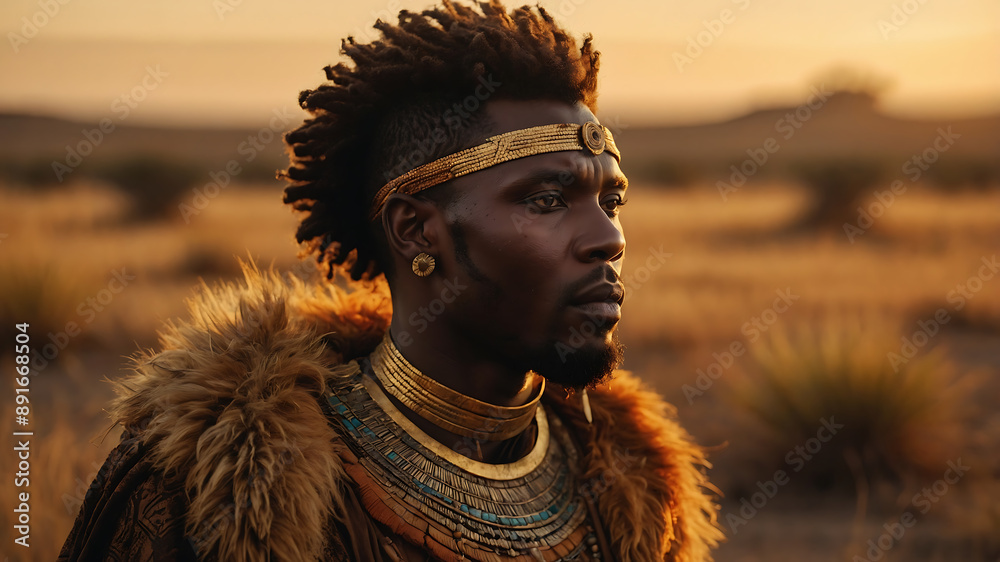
{"type": "Point", "coordinates": [445, 407]}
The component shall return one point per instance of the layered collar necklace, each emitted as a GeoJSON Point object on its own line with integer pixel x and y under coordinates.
{"type": "Point", "coordinates": [447, 408]}
{"type": "Point", "coordinates": [535, 509]}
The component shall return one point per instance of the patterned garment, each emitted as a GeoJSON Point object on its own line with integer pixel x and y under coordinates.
{"type": "Point", "coordinates": [131, 512]}
{"type": "Point", "coordinates": [539, 514]}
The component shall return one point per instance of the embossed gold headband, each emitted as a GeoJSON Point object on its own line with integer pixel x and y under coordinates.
{"type": "Point", "coordinates": [498, 149]}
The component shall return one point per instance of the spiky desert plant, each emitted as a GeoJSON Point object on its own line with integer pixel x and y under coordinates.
{"type": "Point", "coordinates": [900, 420]}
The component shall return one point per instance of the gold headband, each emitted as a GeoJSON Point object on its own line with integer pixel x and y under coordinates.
{"type": "Point", "coordinates": [498, 149]}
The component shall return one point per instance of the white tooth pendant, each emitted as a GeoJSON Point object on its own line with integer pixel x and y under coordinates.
{"type": "Point", "coordinates": [586, 406]}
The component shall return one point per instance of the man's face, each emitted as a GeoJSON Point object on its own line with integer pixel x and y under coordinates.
{"type": "Point", "coordinates": [539, 244]}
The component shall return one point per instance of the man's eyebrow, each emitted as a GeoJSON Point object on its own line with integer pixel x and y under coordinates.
{"type": "Point", "coordinates": [562, 177]}
{"type": "Point", "coordinates": [619, 182]}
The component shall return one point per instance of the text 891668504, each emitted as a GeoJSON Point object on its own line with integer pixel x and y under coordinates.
{"type": "Point", "coordinates": [22, 437]}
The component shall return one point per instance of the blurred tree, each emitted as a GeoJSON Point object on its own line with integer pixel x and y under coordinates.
{"type": "Point", "coordinates": [153, 185]}
{"type": "Point", "coordinates": [837, 188]}
{"type": "Point", "coordinates": [848, 79]}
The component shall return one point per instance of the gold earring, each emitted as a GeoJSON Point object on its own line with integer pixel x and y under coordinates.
{"type": "Point", "coordinates": [423, 264]}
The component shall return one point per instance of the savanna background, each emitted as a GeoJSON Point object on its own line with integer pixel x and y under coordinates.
{"type": "Point", "coordinates": [890, 321]}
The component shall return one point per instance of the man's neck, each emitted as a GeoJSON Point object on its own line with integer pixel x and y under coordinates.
{"type": "Point", "coordinates": [460, 368]}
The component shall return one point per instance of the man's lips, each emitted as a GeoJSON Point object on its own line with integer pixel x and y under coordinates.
{"type": "Point", "coordinates": [602, 301]}
{"type": "Point", "coordinates": [612, 293]}
{"type": "Point", "coordinates": [610, 311]}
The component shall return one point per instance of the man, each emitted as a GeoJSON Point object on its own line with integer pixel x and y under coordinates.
{"type": "Point", "coordinates": [474, 420]}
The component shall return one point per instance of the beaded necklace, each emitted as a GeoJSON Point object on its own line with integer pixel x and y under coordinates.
{"type": "Point", "coordinates": [530, 510]}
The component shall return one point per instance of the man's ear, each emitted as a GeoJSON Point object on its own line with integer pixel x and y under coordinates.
{"type": "Point", "coordinates": [411, 225]}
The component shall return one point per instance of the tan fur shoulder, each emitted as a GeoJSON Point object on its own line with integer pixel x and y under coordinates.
{"type": "Point", "coordinates": [646, 474]}
{"type": "Point", "coordinates": [247, 369]}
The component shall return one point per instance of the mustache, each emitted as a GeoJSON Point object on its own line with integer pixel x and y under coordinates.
{"type": "Point", "coordinates": [603, 273]}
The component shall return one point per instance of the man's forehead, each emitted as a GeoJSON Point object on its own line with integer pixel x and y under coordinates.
{"type": "Point", "coordinates": [511, 115]}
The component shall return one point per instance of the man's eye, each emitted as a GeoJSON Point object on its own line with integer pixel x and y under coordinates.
{"type": "Point", "coordinates": [546, 201]}
{"type": "Point", "coordinates": [612, 204]}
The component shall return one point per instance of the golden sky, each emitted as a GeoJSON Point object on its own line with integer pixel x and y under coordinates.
{"type": "Point", "coordinates": [235, 61]}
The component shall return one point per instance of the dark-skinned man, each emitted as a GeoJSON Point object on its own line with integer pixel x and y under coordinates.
{"type": "Point", "coordinates": [449, 391]}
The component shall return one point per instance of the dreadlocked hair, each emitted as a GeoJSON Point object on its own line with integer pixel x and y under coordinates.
{"type": "Point", "coordinates": [373, 120]}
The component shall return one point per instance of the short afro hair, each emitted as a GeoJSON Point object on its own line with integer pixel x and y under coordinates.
{"type": "Point", "coordinates": [371, 122]}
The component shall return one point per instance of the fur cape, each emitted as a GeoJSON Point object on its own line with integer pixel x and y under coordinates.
{"type": "Point", "coordinates": [230, 411]}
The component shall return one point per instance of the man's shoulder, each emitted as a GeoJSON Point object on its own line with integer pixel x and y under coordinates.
{"type": "Point", "coordinates": [627, 410]}
{"type": "Point", "coordinates": [252, 358]}
{"type": "Point", "coordinates": [135, 510]}
{"type": "Point", "coordinates": [131, 511]}
{"type": "Point", "coordinates": [645, 470]}
{"type": "Point", "coordinates": [232, 404]}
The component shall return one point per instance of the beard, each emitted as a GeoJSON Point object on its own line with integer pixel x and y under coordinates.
{"type": "Point", "coordinates": [585, 366]}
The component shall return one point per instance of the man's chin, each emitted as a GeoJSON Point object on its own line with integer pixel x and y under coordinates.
{"type": "Point", "coordinates": [587, 365]}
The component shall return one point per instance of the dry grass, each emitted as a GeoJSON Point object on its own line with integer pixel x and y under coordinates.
{"type": "Point", "coordinates": [728, 260]}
